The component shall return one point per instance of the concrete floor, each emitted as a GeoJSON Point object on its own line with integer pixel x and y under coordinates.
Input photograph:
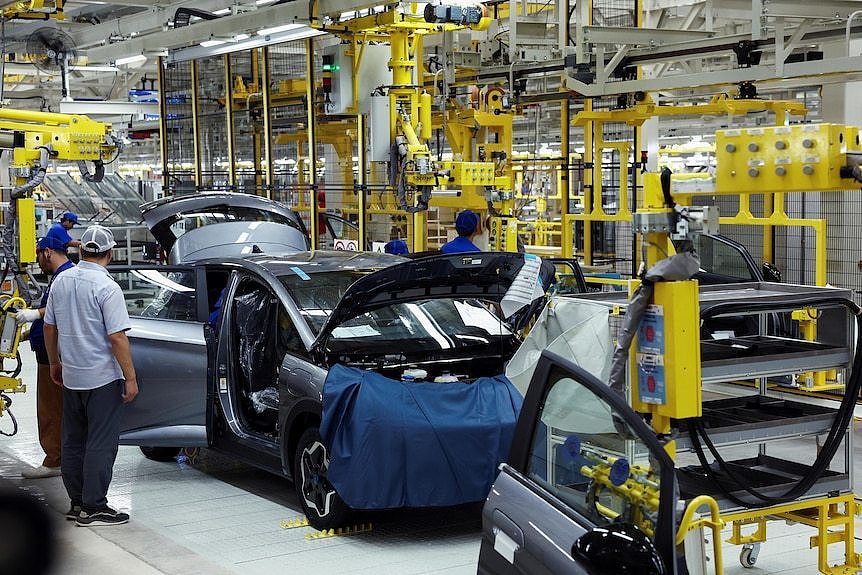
{"type": "Point", "coordinates": [216, 517]}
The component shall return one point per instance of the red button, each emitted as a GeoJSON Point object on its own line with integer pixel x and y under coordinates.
{"type": "Point", "coordinates": [650, 383]}
{"type": "Point", "coordinates": [650, 333]}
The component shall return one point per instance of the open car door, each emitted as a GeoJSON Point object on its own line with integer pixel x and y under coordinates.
{"type": "Point", "coordinates": [564, 502]}
{"type": "Point", "coordinates": [169, 340]}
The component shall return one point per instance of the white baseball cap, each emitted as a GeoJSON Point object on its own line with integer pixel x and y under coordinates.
{"type": "Point", "coordinates": [97, 239]}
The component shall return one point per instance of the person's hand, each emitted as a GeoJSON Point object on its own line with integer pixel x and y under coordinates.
{"type": "Point", "coordinates": [27, 315]}
{"type": "Point", "coordinates": [130, 390]}
{"type": "Point", "coordinates": [57, 373]}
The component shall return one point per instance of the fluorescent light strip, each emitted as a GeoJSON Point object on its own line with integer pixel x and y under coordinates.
{"type": "Point", "coordinates": [277, 29]}
{"type": "Point", "coordinates": [95, 68]}
{"type": "Point", "coordinates": [297, 32]}
{"type": "Point", "coordinates": [130, 59]}
{"type": "Point", "coordinates": [211, 43]}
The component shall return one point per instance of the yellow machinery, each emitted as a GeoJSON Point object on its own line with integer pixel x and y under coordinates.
{"type": "Point", "coordinates": [418, 178]}
{"type": "Point", "coordinates": [665, 366]}
{"type": "Point", "coordinates": [33, 10]}
{"type": "Point", "coordinates": [35, 138]}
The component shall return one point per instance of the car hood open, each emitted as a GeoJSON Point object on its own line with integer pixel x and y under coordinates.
{"type": "Point", "coordinates": [486, 276]}
{"type": "Point", "coordinates": [160, 215]}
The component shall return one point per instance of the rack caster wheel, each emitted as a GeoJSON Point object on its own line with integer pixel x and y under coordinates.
{"type": "Point", "coordinates": [748, 555]}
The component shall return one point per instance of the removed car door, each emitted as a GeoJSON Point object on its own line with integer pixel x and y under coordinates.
{"type": "Point", "coordinates": [560, 505]}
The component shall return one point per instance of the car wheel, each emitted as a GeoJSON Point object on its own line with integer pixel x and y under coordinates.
{"type": "Point", "coordinates": [321, 503]}
{"type": "Point", "coordinates": [163, 454]}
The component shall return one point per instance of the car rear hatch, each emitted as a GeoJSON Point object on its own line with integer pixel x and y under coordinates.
{"type": "Point", "coordinates": [510, 279]}
{"type": "Point", "coordinates": [269, 224]}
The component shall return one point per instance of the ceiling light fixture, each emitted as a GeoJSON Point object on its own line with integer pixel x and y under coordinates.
{"type": "Point", "coordinates": [291, 33]}
{"type": "Point", "coordinates": [130, 59]}
{"type": "Point", "coordinates": [277, 29]}
{"type": "Point", "coordinates": [94, 68]}
{"type": "Point", "coordinates": [212, 42]}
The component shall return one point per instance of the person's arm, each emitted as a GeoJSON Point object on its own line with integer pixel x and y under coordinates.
{"type": "Point", "coordinates": [123, 353]}
{"type": "Point", "coordinates": [51, 339]}
{"type": "Point", "coordinates": [74, 244]}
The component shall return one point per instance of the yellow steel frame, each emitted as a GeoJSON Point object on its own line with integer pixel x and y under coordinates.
{"type": "Point", "coordinates": [832, 517]}
{"type": "Point", "coordinates": [636, 115]}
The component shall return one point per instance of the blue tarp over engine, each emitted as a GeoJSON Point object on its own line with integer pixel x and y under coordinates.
{"type": "Point", "coordinates": [408, 444]}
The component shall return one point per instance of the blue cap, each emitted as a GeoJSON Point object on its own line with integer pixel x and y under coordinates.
{"type": "Point", "coordinates": [71, 216]}
{"type": "Point", "coordinates": [466, 222]}
{"type": "Point", "coordinates": [396, 247]}
{"type": "Point", "coordinates": [51, 243]}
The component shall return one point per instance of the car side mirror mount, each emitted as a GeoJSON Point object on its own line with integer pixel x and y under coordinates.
{"type": "Point", "coordinates": [619, 548]}
{"type": "Point", "coordinates": [771, 273]}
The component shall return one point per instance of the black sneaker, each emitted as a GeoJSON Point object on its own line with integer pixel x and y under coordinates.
{"type": "Point", "coordinates": [73, 512]}
{"type": "Point", "coordinates": [106, 516]}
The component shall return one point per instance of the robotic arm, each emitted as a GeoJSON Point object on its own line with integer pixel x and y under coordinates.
{"type": "Point", "coordinates": [35, 138]}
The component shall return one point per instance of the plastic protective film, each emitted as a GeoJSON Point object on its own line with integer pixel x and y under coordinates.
{"type": "Point", "coordinates": [254, 318]}
{"type": "Point", "coordinates": [575, 329]}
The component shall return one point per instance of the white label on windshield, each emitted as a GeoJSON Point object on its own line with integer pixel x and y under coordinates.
{"type": "Point", "coordinates": [354, 331]}
{"type": "Point", "coordinates": [525, 288]}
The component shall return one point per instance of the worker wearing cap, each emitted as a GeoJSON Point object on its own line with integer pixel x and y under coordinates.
{"type": "Point", "coordinates": [51, 256]}
{"type": "Point", "coordinates": [396, 247]}
{"type": "Point", "coordinates": [468, 226]}
{"type": "Point", "coordinates": [60, 230]}
{"type": "Point", "coordinates": [85, 334]}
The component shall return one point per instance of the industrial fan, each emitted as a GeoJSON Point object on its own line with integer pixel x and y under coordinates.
{"type": "Point", "coordinates": [52, 50]}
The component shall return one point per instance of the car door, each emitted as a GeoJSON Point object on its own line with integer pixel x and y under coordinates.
{"type": "Point", "coordinates": [559, 505]}
{"type": "Point", "coordinates": [169, 341]}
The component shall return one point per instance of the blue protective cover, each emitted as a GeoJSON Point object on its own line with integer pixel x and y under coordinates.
{"type": "Point", "coordinates": [409, 444]}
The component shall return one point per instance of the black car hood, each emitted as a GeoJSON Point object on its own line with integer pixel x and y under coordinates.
{"type": "Point", "coordinates": [160, 214]}
{"type": "Point", "coordinates": [481, 275]}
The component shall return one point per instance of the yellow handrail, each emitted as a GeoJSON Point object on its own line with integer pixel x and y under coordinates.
{"type": "Point", "coordinates": [715, 522]}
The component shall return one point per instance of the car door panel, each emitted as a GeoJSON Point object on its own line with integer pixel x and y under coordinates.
{"type": "Point", "coordinates": [535, 551]}
{"type": "Point", "coordinates": [560, 480]}
{"type": "Point", "coordinates": [170, 360]}
{"type": "Point", "coordinates": [169, 347]}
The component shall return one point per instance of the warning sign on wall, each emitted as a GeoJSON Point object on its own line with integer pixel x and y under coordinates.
{"type": "Point", "coordinates": [347, 245]}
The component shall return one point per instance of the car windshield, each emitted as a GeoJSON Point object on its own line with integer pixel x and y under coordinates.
{"type": "Point", "coordinates": [432, 324]}
{"type": "Point", "coordinates": [444, 323]}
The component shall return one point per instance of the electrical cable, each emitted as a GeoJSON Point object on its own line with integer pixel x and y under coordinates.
{"type": "Point", "coordinates": [833, 440]}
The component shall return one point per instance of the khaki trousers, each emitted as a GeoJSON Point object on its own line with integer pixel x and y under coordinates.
{"type": "Point", "coordinates": [49, 414]}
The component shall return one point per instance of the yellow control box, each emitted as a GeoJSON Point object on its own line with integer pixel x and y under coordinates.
{"type": "Point", "coordinates": [26, 230]}
{"type": "Point", "coordinates": [795, 158]}
{"type": "Point", "coordinates": [467, 173]}
{"type": "Point", "coordinates": [666, 355]}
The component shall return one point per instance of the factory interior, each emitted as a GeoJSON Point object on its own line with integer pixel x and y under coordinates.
{"type": "Point", "coordinates": [444, 287]}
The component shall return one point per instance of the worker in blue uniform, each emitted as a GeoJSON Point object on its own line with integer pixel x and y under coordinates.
{"type": "Point", "coordinates": [468, 225]}
{"type": "Point", "coordinates": [60, 230]}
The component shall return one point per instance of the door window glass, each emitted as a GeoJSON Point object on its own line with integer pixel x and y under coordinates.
{"type": "Point", "coordinates": [159, 293]}
{"type": "Point", "coordinates": [585, 454]}
{"type": "Point", "coordinates": [719, 258]}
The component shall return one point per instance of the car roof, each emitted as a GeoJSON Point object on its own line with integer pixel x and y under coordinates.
{"type": "Point", "coordinates": [314, 261]}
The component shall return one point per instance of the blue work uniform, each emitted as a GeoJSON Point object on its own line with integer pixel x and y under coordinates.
{"type": "Point", "coordinates": [37, 329]}
{"type": "Point", "coordinates": [459, 244]}
{"type": "Point", "coordinates": [59, 232]}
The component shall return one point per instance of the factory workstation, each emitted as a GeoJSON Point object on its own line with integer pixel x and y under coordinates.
{"type": "Point", "coordinates": [450, 287]}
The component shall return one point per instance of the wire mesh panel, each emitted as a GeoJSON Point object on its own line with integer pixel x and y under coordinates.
{"type": "Point", "coordinates": [288, 119]}
{"type": "Point", "coordinates": [212, 123]}
{"type": "Point", "coordinates": [179, 124]}
{"type": "Point", "coordinates": [248, 130]}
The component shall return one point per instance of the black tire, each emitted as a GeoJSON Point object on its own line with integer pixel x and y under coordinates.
{"type": "Point", "coordinates": [162, 454]}
{"type": "Point", "coordinates": [321, 503]}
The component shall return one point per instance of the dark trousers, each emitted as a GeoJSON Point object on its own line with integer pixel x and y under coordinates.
{"type": "Point", "coordinates": [91, 430]}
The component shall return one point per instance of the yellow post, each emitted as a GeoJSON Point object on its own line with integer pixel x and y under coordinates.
{"type": "Point", "coordinates": [311, 128]}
